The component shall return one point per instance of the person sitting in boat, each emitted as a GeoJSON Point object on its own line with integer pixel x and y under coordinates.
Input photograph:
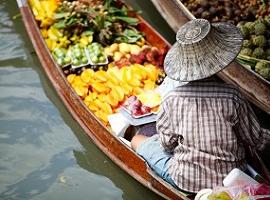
{"type": "Point", "coordinates": [204, 125]}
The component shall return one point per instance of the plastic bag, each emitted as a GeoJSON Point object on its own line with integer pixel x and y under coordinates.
{"type": "Point", "coordinates": [247, 192]}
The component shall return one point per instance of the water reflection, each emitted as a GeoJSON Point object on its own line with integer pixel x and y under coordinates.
{"type": "Point", "coordinates": [11, 44]}
{"type": "Point", "coordinates": [39, 181]}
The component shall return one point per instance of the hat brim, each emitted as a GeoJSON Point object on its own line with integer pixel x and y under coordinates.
{"type": "Point", "coordinates": [189, 62]}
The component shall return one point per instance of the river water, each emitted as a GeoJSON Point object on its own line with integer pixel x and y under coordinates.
{"type": "Point", "coordinates": [44, 154]}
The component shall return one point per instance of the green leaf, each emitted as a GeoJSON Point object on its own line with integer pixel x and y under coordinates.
{"type": "Point", "coordinates": [60, 15]}
{"type": "Point", "coordinates": [71, 21]}
{"type": "Point", "coordinates": [129, 36]}
{"type": "Point", "coordinates": [107, 3]}
{"type": "Point", "coordinates": [116, 11]}
{"type": "Point", "coordinates": [61, 24]}
{"type": "Point", "coordinates": [130, 20]}
{"type": "Point", "coordinates": [99, 22]}
{"type": "Point", "coordinates": [107, 24]}
{"type": "Point", "coordinates": [87, 33]}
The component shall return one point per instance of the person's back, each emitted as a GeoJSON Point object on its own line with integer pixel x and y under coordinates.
{"type": "Point", "coordinates": [202, 117]}
{"type": "Point", "coordinates": [202, 126]}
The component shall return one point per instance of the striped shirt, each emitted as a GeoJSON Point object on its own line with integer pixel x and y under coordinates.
{"type": "Point", "coordinates": [205, 125]}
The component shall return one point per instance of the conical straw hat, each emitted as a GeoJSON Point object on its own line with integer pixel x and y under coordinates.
{"type": "Point", "coordinates": [202, 49]}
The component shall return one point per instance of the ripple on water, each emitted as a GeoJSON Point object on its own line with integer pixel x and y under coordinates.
{"type": "Point", "coordinates": [12, 45]}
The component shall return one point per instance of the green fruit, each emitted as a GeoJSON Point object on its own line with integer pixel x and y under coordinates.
{"type": "Point", "coordinates": [258, 53]}
{"type": "Point", "coordinates": [247, 44]}
{"type": "Point", "coordinates": [84, 60]}
{"type": "Point", "coordinates": [77, 54]}
{"type": "Point", "coordinates": [101, 59]}
{"type": "Point", "coordinates": [245, 31]}
{"type": "Point", "coordinates": [76, 62]}
{"type": "Point", "coordinates": [60, 61]}
{"type": "Point", "coordinates": [90, 47]}
{"type": "Point", "coordinates": [94, 59]}
{"type": "Point", "coordinates": [96, 52]}
{"type": "Point", "coordinates": [260, 28]}
{"type": "Point", "coordinates": [219, 196]}
{"type": "Point", "coordinates": [60, 53]}
{"type": "Point", "coordinates": [67, 60]}
{"type": "Point", "coordinates": [95, 44]}
{"type": "Point", "coordinates": [259, 41]}
{"type": "Point", "coordinates": [246, 52]}
{"type": "Point", "coordinates": [97, 48]}
{"type": "Point", "coordinates": [90, 50]}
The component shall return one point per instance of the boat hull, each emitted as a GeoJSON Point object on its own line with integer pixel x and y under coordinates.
{"type": "Point", "coordinates": [110, 144]}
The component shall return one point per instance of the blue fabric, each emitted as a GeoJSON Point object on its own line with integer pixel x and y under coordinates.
{"type": "Point", "coordinates": [152, 151]}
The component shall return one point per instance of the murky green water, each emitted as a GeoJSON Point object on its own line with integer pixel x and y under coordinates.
{"type": "Point", "coordinates": [44, 154]}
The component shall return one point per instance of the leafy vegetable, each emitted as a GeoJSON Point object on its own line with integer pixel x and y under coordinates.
{"type": "Point", "coordinates": [129, 36]}
{"type": "Point", "coordinates": [130, 20]}
{"type": "Point", "coordinates": [109, 21]}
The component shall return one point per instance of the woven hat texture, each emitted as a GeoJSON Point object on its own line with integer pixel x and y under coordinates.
{"type": "Point", "coordinates": [202, 49]}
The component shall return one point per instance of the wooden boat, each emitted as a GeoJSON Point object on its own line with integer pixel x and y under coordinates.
{"type": "Point", "coordinates": [255, 88]}
{"type": "Point", "coordinates": [110, 144]}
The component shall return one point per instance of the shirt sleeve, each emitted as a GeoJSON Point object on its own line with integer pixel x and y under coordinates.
{"type": "Point", "coordinates": [249, 128]}
{"type": "Point", "coordinates": [164, 127]}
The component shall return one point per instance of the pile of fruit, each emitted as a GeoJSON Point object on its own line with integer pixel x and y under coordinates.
{"type": "Point", "coordinates": [96, 54]}
{"type": "Point", "coordinates": [256, 46]}
{"type": "Point", "coordinates": [61, 56]}
{"type": "Point", "coordinates": [126, 54]}
{"type": "Point", "coordinates": [105, 58]}
{"type": "Point", "coordinates": [44, 11]}
{"type": "Point", "coordinates": [65, 24]}
{"type": "Point", "coordinates": [232, 11]}
{"type": "Point", "coordinates": [253, 19]}
{"type": "Point", "coordinates": [78, 55]}
{"type": "Point", "coordinates": [105, 91]}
